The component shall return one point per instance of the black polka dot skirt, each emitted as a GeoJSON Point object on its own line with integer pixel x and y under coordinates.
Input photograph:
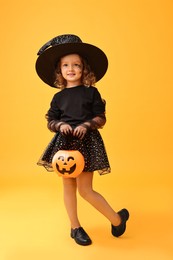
{"type": "Point", "coordinates": [91, 146]}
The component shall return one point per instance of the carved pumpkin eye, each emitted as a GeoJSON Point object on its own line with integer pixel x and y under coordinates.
{"type": "Point", "coordinates": [68, 163]}
{"type": "Point", "coordinates": [70, 158]}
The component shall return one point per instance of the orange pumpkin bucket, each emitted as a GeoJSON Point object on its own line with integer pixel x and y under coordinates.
{"type": "Point", "coordinates": [68, 163]}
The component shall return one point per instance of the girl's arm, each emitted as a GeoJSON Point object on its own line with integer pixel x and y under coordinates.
{"type": "Point", "coordinates": [98, 108]}
{"type": "Point", "coordinates": [54, 125]}
{"type": "Point", "coordinates": [54, 122]}
{"type": "Point", "coordinates": [95, 123]}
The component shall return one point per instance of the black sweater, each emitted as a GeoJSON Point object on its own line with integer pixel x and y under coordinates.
{"type": "Point", "coordinates": [76, 105]}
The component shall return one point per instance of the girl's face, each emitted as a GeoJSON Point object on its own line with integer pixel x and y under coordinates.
{"type": "Point", "coordinates": [71, 68]}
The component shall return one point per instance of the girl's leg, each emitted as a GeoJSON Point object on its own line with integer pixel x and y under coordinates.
{"type": "Point", "coordinates": [70, 201]}
{"type": "Point", "coordinates": [84, 184]}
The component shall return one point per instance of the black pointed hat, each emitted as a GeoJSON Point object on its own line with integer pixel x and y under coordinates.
{"type": "Point", "coordinates": [51, 52]}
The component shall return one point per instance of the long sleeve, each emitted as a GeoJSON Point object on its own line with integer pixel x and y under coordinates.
{"type": "Point", "coordinates": [99, 119]}
{"type": "Point", "coordinates": [53, 116]}
{"type": "Point", "coordinates": [98, 108]}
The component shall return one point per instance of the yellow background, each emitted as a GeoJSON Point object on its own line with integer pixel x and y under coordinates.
{"type": "Point", "coordinates": [137, 36]}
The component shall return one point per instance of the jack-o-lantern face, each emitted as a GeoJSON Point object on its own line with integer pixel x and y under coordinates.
{"type": "Point", "coordinates": [68, 163]}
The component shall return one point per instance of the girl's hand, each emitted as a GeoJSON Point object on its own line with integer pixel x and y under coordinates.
{"type": "Point", "coordinates": [65, 129]}
{"type": "Point", "coordinates": [80, 131]}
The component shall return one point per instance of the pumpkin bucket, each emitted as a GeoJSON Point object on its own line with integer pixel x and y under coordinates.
{"type": "Point", "coordinates": [68, 163]}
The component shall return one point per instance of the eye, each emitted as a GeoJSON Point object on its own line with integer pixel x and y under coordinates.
{"type": "Point", "coordinates": [70, 158]}
{"type": "Point", "coordinates": [77, 65]}
{"type": "Point", "coordinates": [61, 158]}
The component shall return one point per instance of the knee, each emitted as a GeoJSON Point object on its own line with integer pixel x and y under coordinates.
{"type": "Point", "coordinates": [84, 192]}
{"type": "Point", "coordinates": [84, 185]}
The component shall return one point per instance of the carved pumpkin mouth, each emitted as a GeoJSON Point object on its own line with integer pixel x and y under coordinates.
{"type": "Point", "coordinates": [64, 170]}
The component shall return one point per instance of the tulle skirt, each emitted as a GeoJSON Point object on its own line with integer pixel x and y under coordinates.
{"type": "Point", "coordinates": [91, 146]}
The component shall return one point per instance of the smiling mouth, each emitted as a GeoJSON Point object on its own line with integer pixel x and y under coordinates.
{"type": "Point", "coordinates": [63, 170]}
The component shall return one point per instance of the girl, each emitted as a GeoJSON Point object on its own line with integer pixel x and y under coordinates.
{"type": "Point", "coordinates": [75, 115]}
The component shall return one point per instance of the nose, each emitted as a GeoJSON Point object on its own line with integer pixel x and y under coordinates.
{"type": "Point", "coordinates": [70, 67]}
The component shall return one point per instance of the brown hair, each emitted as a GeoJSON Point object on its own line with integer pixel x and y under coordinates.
{"type": "Point", "coordinates": [88, 76]}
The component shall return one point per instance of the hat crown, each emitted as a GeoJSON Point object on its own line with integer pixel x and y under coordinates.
{"type": "Point", "coordinates": [66, 38]}
{"type": "Point", "coordinates": [61, 39]}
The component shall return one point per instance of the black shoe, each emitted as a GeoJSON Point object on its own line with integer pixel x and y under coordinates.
{"type": "Point", "coordinates": [119, 230]}
{"type": "Point", "coordinates": [80, 236]}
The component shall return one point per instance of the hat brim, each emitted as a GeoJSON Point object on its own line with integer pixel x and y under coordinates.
{"type": "Point", "coordinates": [46, 62]}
